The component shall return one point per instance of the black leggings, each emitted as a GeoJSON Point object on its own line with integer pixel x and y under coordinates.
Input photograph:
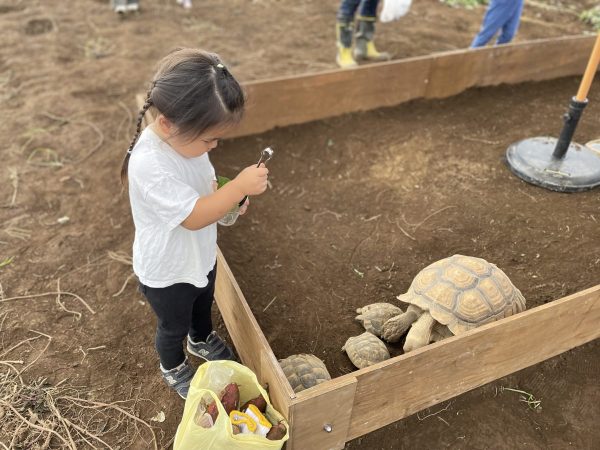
{"type": "Point", "coordinates": [181, 309]}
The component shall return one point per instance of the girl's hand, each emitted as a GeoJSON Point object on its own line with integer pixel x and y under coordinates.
{"type": "Point", "coordinates": [252, 180]}
{"type": "Point", "coordinates": [244, 207]}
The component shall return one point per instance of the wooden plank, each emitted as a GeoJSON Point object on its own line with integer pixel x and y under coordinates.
{"type": "Point", "coordinates": [313, 409]}
{"type": "Point", "coordinates": [298, 99]}
{"type": "Point", "coordinates": [248, 339]}
{"type": "Point", "coordinates": [401, 386]}
{"type": "Point", "coordinates": [456, 71]}
{"type": "Point", "coordinates": [303, 98]}
{"type": "Point", "coordinates": [532, 62]}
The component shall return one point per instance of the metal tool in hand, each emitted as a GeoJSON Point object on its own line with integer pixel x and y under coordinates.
{"type": "Point", "coordinates": [265, 156]}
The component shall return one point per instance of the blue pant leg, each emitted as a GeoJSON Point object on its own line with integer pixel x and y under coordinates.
{"type": "Point", "coordinates": [347, 10]}
{"type": "Point", "coordinates": [368, 8]}
{"type": "Point", "coordinates": [512, 25]}
{"type": "Point", "coordinates": [497, 14]}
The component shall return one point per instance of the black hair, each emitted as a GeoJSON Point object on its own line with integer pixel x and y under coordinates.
{"type": "Point", "coordinates": [195, 91]}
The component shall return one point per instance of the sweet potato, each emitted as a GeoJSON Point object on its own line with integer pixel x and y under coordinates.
{"type": "Point", "coordinates": [230, 397]}
{"type": "Point", "coordinates": [213, 411]}
{"type": "Point", "coordinates": [277, 432]}
{"type": "Point", "coordinates": [259, 402]}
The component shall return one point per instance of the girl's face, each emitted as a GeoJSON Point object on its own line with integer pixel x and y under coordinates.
{"type": "Point", "coordinates": [182, 145]}
{"type": "Point", "coordinates": [191, 149]}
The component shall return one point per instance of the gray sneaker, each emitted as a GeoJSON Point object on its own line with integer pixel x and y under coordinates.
{"type": "Point", "coordinates": [213, 349]}
{"type": "Point", "coordinates": [179, 378]}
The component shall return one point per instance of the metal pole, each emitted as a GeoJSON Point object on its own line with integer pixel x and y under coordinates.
{"type": "Point", "coordinates": [577, 104]}
{"type": "Point", "coordinates": [566, 135]}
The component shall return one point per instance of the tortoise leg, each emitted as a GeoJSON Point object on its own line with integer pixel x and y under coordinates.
{"type": "Point", "coordinates": [394, 328]}
{"type": "Point", "coordinates": [440, 332]}
{"type": "Point", "coordinates": [420, 333]}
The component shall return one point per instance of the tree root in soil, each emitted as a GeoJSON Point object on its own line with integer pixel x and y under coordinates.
{"type": "Point", "coordinates": [58, 293]}
{"type": "Point", "coordinates": [126, 259]}
{"type": "Point", "coordinates": [37, 414]}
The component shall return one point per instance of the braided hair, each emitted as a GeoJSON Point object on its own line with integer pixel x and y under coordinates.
{"type": "Point", "coordinates": [194, 91]}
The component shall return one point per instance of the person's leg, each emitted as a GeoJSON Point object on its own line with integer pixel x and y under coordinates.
{"type": "Point", "coordinates": [495, 17]}
{"type": "Point", "coordinates": [512, 25]}
{"type": "Point", "coordinates": [368, 8]}
{"type": "Point", "coordinates": [201, 324]}
{"type": "Point", "coordinates": [344, 31]}
{"type": "Point", "coordinates": [365, 32]}
{"type": "Point", "coordinates": [173, 307]}
{"type": "Point", "coordinates": [347, 10]}
{"type": "Point", "coordinates": [203, 341]}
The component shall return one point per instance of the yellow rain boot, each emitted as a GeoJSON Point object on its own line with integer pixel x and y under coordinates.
{"type": "Point", "coordinates": [344, 31]}
{"type": "Point", "coordinates": [364, 45]}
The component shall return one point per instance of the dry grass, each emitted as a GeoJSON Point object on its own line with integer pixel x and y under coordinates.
{"type": "Point", "coordinates": [37, 414]}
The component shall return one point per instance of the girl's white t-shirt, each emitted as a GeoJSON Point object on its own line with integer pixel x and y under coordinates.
{"type": "Point", "coordinates": [163, 189]}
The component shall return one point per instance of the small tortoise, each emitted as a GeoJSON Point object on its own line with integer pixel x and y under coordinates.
{"type": "Point", "coordinates": [459, 293]}
{"type": "Point", "coordinates": [365, 350]}
{"type": "Point", "coordinates": [373, 316]}
{"type": "Point", "coordinates": [304, 371]}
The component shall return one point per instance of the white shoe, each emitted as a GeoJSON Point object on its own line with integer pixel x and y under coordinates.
{"type": "Point", "coordinates": [133, 7]}
{"type": "Point", "coordinates": [187, 4]}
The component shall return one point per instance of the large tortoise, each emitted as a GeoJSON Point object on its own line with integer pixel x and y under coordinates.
{"type": "Point", "coordinates": [304, 371]}
{"type": "Point", "coordinates": [459, 293]}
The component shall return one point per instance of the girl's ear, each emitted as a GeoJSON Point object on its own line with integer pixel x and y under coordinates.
{"type": "Point", "coordinates": [165, 125]}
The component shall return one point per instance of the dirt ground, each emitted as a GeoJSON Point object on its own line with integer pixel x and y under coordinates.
{"type": "Point", "coordinates": [342, 191]}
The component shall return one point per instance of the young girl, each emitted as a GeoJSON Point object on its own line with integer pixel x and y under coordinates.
{"type": "Point", "coordinates": [175, 204]}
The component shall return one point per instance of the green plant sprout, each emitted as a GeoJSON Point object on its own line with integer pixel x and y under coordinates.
{"type": "Point", "coordinates": [222, 181]}
{"type": "Point", "coordinates": [467, 4]}
{"type": "Point", "coordinates": [44, 157]}
{"type": "Point", "coordinates": [6, 261]}
{"type": "Point", "coordinates": [358, 272]}
{"type": "Point", "coordinates": [592, 17]}
{"type": "Point", "coordinates": [526, 397]}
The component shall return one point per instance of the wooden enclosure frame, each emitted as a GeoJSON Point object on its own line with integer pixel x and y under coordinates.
{"type": "Point", "coordinates": [332, 413]}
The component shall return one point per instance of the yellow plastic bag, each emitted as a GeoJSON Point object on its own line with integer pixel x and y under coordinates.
{"type": "Point", "coordinates": [210, 379]}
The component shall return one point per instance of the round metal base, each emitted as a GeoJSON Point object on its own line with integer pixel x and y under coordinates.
{"type": "Point", "coordinates": [531, 160]}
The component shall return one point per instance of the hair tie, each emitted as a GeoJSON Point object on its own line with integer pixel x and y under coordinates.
{"type": "Point", "coordinates": [220, 66]}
